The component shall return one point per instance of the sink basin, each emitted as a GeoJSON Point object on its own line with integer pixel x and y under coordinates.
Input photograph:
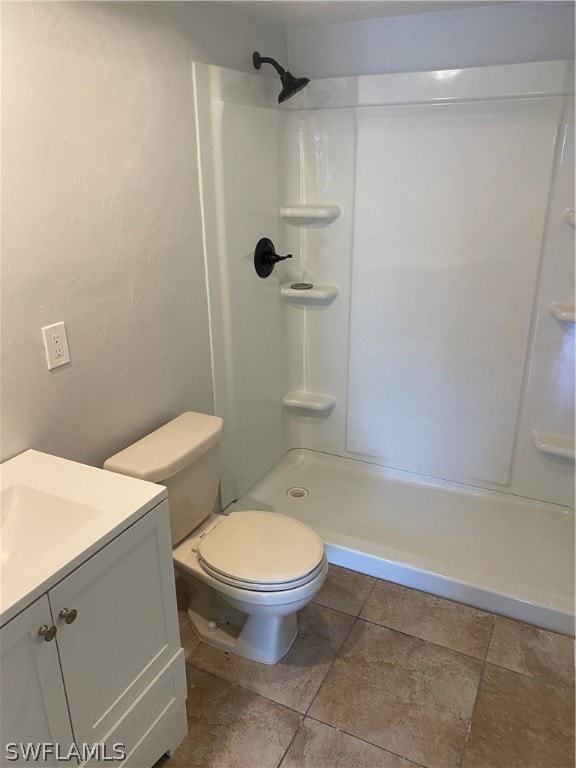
{"type": "Point", "coordinates": [30, 519]}
{"type": "Point", "coordinates": [55, 513]}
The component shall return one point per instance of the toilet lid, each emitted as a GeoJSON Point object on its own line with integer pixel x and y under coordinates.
{"type": "Point", "coordinates": [261, 548]}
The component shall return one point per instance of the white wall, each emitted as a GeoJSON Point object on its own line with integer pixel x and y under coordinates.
{"type": "Point", "coordinates": [468, 37]}
{"type": "Point", "coordinates": [100, 215]}
{"type": "Point", "coordinates": [213, 31]}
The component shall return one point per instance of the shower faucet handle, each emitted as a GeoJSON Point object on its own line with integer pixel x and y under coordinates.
{"type": "Point", "coordinates": [265, 257]}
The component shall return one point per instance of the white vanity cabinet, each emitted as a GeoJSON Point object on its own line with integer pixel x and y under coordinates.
{"type": "Point", "coordinates": [124, 635]}
{"type": "Point", "coordinates": [108, 668]}
{"type": "Point", "coordinates": [32, 693]}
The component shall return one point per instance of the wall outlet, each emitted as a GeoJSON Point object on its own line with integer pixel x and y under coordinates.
{"type": "Point", "coordinates": [56, 345]}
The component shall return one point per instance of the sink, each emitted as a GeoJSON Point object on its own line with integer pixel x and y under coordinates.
{"type": "Point", "coordinates": [54, 514]}
{"type": "Point", "coordinates": [31, 519]}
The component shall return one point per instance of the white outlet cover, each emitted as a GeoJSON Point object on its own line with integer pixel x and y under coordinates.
{"type": "Point", "coordinates": [56, 345]}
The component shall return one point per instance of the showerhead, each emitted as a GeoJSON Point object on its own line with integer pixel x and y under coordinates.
{"type": "Point", "coordinates": [290, 84]}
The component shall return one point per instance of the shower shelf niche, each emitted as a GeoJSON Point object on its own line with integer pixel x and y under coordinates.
{"type": "Point", "coordinates": [300, 215]}
{"type": "Point", "coordinates": [554, 444]}
{"type": "Point", "coordinates": [317, 294]}
{"type": "Point", "coordinates": [566, 313]}
{"type": "Point", "coordinates": [321, 405]}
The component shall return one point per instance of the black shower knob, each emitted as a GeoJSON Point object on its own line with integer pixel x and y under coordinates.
{"type": "Point", "coordinates": [265, 257]}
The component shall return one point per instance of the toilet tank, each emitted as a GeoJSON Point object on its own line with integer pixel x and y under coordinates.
{"type": "Point", "coordinates": [184, 456]}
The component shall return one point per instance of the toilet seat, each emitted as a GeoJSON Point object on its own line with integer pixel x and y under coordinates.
{"type": "Point", "coordinates": [262, 586]}
{"type": "Point", "coordinates": [261, 551]}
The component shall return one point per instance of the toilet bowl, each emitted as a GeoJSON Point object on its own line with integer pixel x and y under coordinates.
{"type": "Point", "coordinates": [249, 613]}
{"type": "Point", "coordinates": [248, 572]}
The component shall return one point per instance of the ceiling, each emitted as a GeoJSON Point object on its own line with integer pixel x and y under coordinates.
{"type": "Point", "coordinates": [300, 13]}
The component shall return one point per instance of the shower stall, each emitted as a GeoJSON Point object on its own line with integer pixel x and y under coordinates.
{"type": "Point", "coordinates": [415, 405]}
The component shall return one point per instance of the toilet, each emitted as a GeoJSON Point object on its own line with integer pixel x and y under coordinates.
{"type": "Point", "coordinates": [249, 572]}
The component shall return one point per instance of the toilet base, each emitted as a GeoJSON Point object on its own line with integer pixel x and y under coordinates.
{"type": "Point", "coordinates": [261, 638]}
{"type": "Point", "coordinates": [264, 638]}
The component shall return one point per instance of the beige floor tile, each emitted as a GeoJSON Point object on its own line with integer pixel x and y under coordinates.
{"type": "Point", "coordinates": [520, 722]}
{"type": "Point", "coordinates": [405, 695]}
{"type": "Point", "coordinates": [295, 679]}
{"type": "Point", "coordinates": [431, 618]}
{"type": "Point", "coordinates": [324, 627]}
{"type": "Point", "coordinates": [229, 726]}
{"type": "Point", "coordinates": [320, 746]}
{"type": "Point", "coordinates": [345, 590]}
{"type": "Point", "coordinates": [546, 656]}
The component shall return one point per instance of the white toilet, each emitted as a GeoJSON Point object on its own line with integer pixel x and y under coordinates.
{"type": "Point", "coordinates": [249, 572]}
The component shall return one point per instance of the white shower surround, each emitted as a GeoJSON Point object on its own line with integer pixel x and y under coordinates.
{"type": "Point", "coordinates": [324, 148]}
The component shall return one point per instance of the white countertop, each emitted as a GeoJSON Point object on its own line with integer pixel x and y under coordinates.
{"type": "Point", "coordinates": [54, 515]}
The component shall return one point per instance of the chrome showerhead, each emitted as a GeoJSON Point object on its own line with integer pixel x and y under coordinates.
{"type": "Point", "coordinates": [290, 84]}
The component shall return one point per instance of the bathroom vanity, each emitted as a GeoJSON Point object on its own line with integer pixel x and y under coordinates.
{"type": "Point", "coordinates": [90, 649]}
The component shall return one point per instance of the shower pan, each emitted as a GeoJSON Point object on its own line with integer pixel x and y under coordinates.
{"type": "Point", "coordinates": [496, 551]}
{"type": "Point", "coordinates": [415, 405]}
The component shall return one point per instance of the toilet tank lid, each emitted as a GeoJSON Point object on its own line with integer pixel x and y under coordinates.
{"type": "Point", "coordinates": [163, 453]}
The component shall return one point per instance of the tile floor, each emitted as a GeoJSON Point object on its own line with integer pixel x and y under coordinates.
{"type": "Point", "coordinates": [384, 676]}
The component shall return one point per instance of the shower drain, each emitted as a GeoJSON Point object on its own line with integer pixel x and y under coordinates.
{"type": "Point", "coordinates": [297, 493]}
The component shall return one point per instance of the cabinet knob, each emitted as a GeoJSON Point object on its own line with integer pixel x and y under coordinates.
{"type": "Point", "coordinates": [48, 633]}
{"type": "Point", "coordinates": [68, 614]}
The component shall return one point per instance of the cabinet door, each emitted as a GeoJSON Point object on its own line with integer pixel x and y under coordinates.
{"type": "Point", "coordinates": [33, 708]}
{"type": "Point", "coordinates": [126, 628]}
